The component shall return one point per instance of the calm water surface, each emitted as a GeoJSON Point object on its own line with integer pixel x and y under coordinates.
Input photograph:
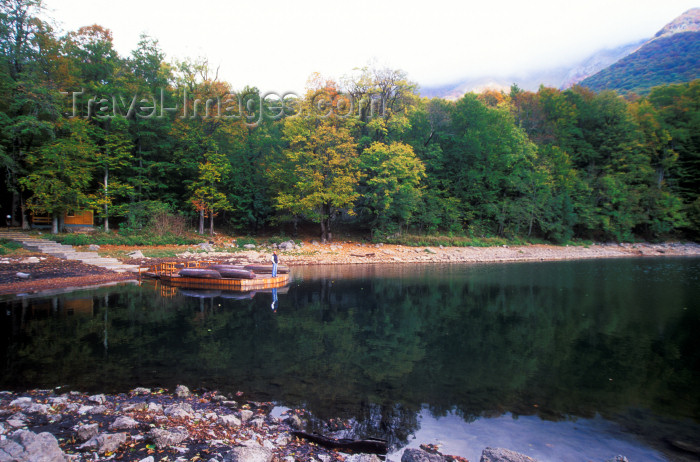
{"type": "Point", "coordinates": [563, 361]}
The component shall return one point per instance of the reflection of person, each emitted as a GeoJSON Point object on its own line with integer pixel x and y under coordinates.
{"type": "Point", "coordinates": [274, 300]}
{"type": "Point", "coordinates": [275, 259]}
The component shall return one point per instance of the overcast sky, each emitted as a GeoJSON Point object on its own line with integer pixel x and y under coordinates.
{"type": "Point", "coordinates": [276, 44]}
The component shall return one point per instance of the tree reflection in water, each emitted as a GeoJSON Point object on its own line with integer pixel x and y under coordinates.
{"type": "Point", "coordinates": [371, 345]}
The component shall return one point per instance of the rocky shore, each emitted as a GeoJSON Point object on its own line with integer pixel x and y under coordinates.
{"type": "Point", "coordinates": [149, 425]}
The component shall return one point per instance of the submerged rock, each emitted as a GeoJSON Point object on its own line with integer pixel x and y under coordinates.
{"type": "Point", "coordinates": [419, 455]}
{"type": "Point", "coordinates": [248, 454]}
{"type": "Point", "coordinates": [503, 455]}
{"type": "Point", "coordinates": [27, 446]}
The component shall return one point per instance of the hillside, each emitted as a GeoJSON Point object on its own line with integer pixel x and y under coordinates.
{"type": "Point", "coordinates": [674, 59]}
{"type": "Point", "coordinates": [672, 56]}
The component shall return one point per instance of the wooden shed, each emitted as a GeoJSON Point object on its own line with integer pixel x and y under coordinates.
{"type": "Point", "coordinates": [82, 219]}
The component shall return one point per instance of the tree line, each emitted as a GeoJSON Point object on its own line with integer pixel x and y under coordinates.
{"type": "Point", "coordinates": [82, 127]}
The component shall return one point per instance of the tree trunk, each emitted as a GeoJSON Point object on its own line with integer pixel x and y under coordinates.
{"type": "Point", "coordinates": [23, 212]}
{"type": "Point", "coordinates": [13, 210]}
{"type": "Point", "coordinates": [211, 223]}
{"type": "Point", "coordinates": [326, 223]}
{"type": "Point", "coordinates": [106, 199]}
{"type": "Point", "coordinates": [201, 222]}
{"type": "Point", "coordinates": [54, 223]}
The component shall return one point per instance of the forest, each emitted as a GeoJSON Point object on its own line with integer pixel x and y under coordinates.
{"type": "Point", "coordinates": [143, 136]}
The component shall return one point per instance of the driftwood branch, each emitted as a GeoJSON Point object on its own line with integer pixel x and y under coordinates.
{"type": "Point", "coordinates": [367, 446]}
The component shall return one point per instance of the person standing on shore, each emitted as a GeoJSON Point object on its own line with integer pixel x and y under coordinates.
{"type": "Point", "coordinates": [275, 260]}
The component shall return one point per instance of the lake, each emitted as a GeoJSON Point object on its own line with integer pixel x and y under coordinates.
{"type": "Point", "coordinates": [563, 361]}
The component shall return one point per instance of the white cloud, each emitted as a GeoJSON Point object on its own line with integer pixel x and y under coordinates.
{"type": "Point", "coordinates": [277, 44]}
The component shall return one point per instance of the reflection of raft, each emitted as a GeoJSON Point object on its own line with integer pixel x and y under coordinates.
{"type": "Point", "coordinates": [210, 275]}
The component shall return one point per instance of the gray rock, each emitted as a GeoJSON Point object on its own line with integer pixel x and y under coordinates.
{"type": "Point", "coordinates": [21, 402]}
{"type": "Point", "coordinates": [503, 455]}
{"type": "Point", "coordinates": [57, 400]}
{"type": "Point", "coordinates": [85, 432]}
{"type": "Point", "coordinates": [179, 410]}
{"type": "Point", "coordinates": [419, 455]}
{"type": "Point", "coordinates": [618, 458]}
{"type": "Point", "coordinates": [154, 407]}
{"type": "Point", "coordinates": [283, 439]}
{"type": "Point", "coordinates": [135, 407]}
{"type": "Point", "coordinates": [23, 275]}
{"type": "Point", "coordinates": [104, 442]}
{"type": "Point", "coordinates": [246, 415]}
{"type": "Point", "coordinates": [288, 245]}
{"type": "Point", "coordinates": [295, 422]}
{"type": "Point", "coordinates": [182, 391]}
{"type": "Point", "coordinates": [123, 423]}
{"type": "Point", "coordinates": [38, 408]}
{"type": "Point", "coordinates": [17, 420]}
{"type": "Point", "coordinates": [99, 399]}
{"type": "Point", "coordinates": [84, 409]}
{"type": "Point", "coordinates": [98, 409]}
{"type": "Point", "coordinates": [141, 391]}
{"type": "Point", "coordinates": [147, 459]}
{"type": "Point", "coordinates": [257, 422]}
{"type": "Point", "coordinates": [249, 246]}
{"type": "Point", "coordinates": [136, 254]}
{"type": "Point", "coordinates": [164, 438]}
{"type": "Point", "coordinates": [229, 421]}
{"type": "Point", "coordinates": [71, 407]}
{"type": "Point", "coordinates": [30, 260]}
{"type": "Point", "coordinates": [93, 247]}
{"type": "Point", "coordinates": [246, 454]}
{"type": "Point", "coordinates": [26, 446]}
{"type": "Point", "coordinates": [206, 246]}
{"type": "Point", "coordinates": [363, 458]}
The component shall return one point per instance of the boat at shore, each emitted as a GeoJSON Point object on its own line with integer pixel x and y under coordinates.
{"type": "Point", "coordinates": [214, 275]}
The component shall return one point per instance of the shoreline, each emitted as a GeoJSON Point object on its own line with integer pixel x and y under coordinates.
{"type": "Point", "coordinates": [313, 253]}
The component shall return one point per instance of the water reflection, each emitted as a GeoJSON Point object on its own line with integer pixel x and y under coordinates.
{"type": "Point", "coordinates": [372, 345]}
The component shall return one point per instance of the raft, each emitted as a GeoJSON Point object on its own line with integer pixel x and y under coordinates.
{"type": "Point", "coordinates": [212, 275]}
{"type": "Point", "coordinates": [202, 273]}
{"type": "Point", "coordinates": [233, 271]}
{"type": "Point", "coordinates": [264, 269]}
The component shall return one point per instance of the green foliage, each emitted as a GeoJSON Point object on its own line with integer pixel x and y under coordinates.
{"type": "Point", "coordinates": [413, 240]}
{"type": "Point", "coordinates": [243, 241]}
{"type": "Point", "coordinates": [139, 239]}
{"type": "Point", "coordinates": [8, 247]}
{"type": "Point", "coordinates": [554, 165]}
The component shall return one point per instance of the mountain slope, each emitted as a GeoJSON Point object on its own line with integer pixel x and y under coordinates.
{"type": "Point", "coordinates": [672, 56]}
{"type": "Point", "coordinates": [599, 61]}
